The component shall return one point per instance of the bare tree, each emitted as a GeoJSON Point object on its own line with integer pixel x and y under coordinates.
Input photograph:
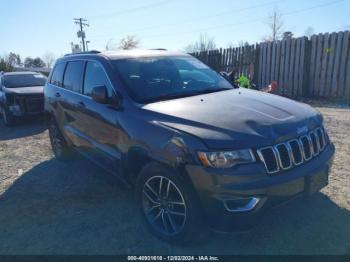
{"type": "Point", "coordinates": [129, 42]}
{"type": "Point", "coordinates": [34, 62]}
{"type": "Point", "coordinates": [275, 23]}
{"type": "Point", "coordinates": [310, 31]}
{"type": "Point", "coordinates": [204, 43]}
{"type": "Point", "coordinates": [5, 66]}
{"type": "Point", "coordinates": [110, 45]}
{"type": "Point", "coordinates": [13, 59]}
{"type": "Point", "coordinates": [49, 59]}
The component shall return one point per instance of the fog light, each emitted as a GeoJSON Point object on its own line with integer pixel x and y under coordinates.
{"type": "Point", "coordinates": [241, 204]}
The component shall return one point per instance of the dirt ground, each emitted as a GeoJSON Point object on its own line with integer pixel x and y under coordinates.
{"type": "Point", "coordinates": [49, 207]}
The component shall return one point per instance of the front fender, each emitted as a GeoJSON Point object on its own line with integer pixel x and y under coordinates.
{"type": "Point", "coordinates": [176, 149]}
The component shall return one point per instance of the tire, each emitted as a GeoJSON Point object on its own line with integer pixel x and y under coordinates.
{"type": "Point", "coordinates": [174, 217]}
{"type": "Point", "coordinates": [60, 148]}
{"type": "Point", "coordinates": [9, 120]}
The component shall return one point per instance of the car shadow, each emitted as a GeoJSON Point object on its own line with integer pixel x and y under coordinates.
{"type": "Point", "coordinates": [77, 208]}
{"type": "Point", "coordinates": [24, 128]}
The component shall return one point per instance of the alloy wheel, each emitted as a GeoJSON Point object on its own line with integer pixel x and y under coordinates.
{"type": "Point", "coordinates": [164, 205]}
{"type": "Point", "coordinates": [56, 142]}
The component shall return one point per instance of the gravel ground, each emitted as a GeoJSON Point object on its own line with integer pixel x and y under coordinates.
{"type": "Point", "coordinates": [49, 207]}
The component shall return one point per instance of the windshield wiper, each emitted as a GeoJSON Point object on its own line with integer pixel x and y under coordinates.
{"type": "Point", "coordinates": [206, 91]}
{"type": "Point", "coordinates": [169, 96]}
{"type": "Point", "coordinates": [174, 96]}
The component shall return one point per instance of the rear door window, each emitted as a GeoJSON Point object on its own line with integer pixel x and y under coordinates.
{"type": "Point", "coordinates": [73, 76]}
{"type": "Point", "coordinates": [57, 75]}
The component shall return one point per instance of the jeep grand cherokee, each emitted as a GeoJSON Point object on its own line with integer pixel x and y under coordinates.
{"type": "Point", "coordinates": [198, 150]}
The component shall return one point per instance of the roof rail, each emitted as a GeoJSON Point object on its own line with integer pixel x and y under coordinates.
{"type": "Point", "coordinates": [160, 49]}
{"type": "Point", "coordinates": [84, 53]}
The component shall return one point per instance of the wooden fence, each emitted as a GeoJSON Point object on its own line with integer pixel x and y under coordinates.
{"type": "Point", "coordinates": [316, 67]}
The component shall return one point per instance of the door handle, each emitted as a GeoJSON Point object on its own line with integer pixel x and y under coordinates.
{"type": "Point", "coordinates": [57, 95]}
{"type": "Point", "coordinates": [81, 104]}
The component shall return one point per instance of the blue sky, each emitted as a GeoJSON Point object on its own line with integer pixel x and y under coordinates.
{"type": "Point", "coordinates": [32, 28]}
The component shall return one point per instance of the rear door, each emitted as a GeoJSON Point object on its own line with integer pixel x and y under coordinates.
{"type": "Point", "coordinates": [53, 91]}
{"type": "Point", "coordinates": [70, 98]}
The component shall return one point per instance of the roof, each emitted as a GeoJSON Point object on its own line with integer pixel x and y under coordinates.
{"type": "Point", "coordinates": [124, 54]}
{"type": "Point", "coordinates": [20, 73]}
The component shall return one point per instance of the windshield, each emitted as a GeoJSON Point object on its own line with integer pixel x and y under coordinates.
{"type": "Point", "coordinates": [162, 78]}
{"type": "Point", "coordinates": [27, 80]}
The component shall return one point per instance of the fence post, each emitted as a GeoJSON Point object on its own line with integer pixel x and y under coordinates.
{"type": "Point", "coordinates": [305, 88]}
{"type": "Point", "coordinates": [256, 66]}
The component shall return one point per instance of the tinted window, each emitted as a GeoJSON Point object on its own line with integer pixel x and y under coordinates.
{"type": "Point", "coordinates": [57, 75]}
{"type": "Point", "coordinates": [162, 78]}
{"type": "Point", "coordinates": [73, 75]}
{"type": "Point", "coordinates": [27, 80]}
{"type": "Point", "coordinates": [95, 76]}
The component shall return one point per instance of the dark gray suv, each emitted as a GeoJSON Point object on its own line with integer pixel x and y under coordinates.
{"type": "Point", "coordinates": [21, 94]}
{"type": "Point", "coordinates": [199, 151]}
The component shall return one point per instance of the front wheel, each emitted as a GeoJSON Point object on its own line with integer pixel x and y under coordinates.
{"type": "Point", "coordinates": [168, 206]}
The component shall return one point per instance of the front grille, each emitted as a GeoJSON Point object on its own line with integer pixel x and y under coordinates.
{"type": "Point", "coordinates": [270, 159]}
{"type": "Point", "coordinates": [283, 156]}
{"type": "Point", "coordinates": [31, 104]}
{"type": "Point", "coordinates": [297, 152]}
{"type": "Point", "coordinates": [34, 105]}
{"type": "Point", "coordinates": [306, 145]}
{"type": "Point", "coordinates": [294, 152]}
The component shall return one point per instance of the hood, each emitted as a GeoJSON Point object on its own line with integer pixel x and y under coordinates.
{"type": "Point", "coordinates": [25, 90]}
{"type": "Point", "coordinates": [236, 118]}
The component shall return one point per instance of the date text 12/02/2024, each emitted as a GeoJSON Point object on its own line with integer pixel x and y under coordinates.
{"type": "Point", "coordinates": [172, 258]}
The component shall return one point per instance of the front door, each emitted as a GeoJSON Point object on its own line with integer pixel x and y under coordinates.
{"type": "Point", "coordinates": [99, 122]}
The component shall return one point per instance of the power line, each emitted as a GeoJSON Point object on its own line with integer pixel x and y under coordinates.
{"type": "Point", "coordinates": [230, 11]}
{"type": "Point", "coordinates": [218, 27]}
{"type": "Point", "coordinates": [248, 21]}
{"type": "Point", "coordinates": [81, 34]}
{"type": "Point", "coordinates": [131, 10]}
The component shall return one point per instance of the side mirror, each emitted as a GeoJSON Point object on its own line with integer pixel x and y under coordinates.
{"type": "Point", "coordinates": [100, 94]}
{"type": "Point", "coordinates": [225, 75]}
{"type": "Point", "coordinates": [229, 77]}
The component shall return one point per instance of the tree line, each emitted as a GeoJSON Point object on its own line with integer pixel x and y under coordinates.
{"type": "Point", "coordinates": [274, 22]}
{"type": "Point", "coordinates": [13, 60]}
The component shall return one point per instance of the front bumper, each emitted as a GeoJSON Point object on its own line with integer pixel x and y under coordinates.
{"type": "Point", "coordinates": [243, 184]}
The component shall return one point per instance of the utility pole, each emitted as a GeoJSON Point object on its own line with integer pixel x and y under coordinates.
{"type": "Point", "coordinates": [87, 45]}
{"type": "Point", "coordinates": [81, 34]}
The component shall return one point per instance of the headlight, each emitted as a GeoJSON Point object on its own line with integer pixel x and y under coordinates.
{"type": "Point", "coordinates": [226, 159]}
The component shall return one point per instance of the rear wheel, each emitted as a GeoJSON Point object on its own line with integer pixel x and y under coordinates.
{"type": "Point", "coordinates": [168, 206]}
{"type": "Point", "coordinates": [60, 148]}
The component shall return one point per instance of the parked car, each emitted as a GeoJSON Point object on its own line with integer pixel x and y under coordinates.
{"type": "Point", "coordinates": [21, 94]}
{"type": "Point", "coordinates": [199, 151]}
